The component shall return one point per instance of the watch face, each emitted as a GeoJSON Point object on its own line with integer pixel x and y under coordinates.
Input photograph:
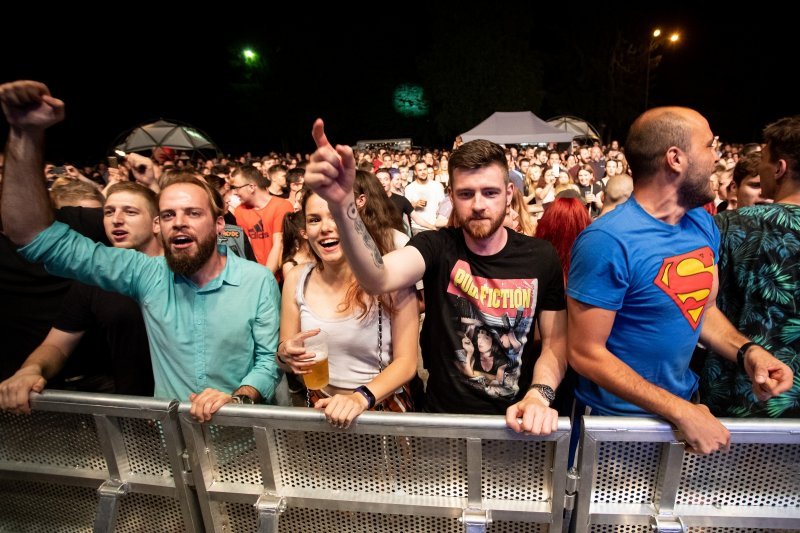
{"type": "Point", "coordinates": [242, 399]}
{"type": "Point", "coordinates": [546, 391]}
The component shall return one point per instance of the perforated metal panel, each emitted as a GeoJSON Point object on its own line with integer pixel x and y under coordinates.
{"type": "Point", "coordinates": [419, 466]}
{"type": "Point", "coordinates": [235, 455]}
{"type": "Point", "coordinates": [239, 517]}
{"type": "Point", "coordinates": [71, 440]}
{"type": "Point", "coordinates": [145, 512]}
{"type": "Point", "coordinates": [738, 530]}
{"type": "Point", "coordinates": [619, 528]}
{"type": "Point", "coordinates": [27, 507]}
{"type": "Point", "coordinates": [517, 527]}
{"type": "Point", "coordinates": [323, 521]}
{"type": "Point", "coordinates": [147, 449]}
{"type": "Point", "coordinates": [626, 472]}
{"type": "Point", "coordinates": [516, 470]}
{"type": "Point", "coordinates": [763, 475]}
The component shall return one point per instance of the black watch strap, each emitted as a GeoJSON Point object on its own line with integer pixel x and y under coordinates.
{"type": "Point", "coordinates": [546, 391]}
{"type": "Point", "coordinates": [366, 393]}
{"type": "Point", "coordinates": [741, 353]}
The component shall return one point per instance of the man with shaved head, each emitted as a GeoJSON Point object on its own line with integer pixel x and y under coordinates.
{"type": "Point", "coordinates": [618, 189]}
{"type": "Point", "coordinates": [637, 308]}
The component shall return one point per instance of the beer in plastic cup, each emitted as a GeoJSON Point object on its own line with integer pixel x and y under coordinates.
{"type": "Point", "coordinates": [318, 376]}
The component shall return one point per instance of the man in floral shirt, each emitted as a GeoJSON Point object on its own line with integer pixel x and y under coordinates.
{"type": "Point", "coordinates": [759, 270]}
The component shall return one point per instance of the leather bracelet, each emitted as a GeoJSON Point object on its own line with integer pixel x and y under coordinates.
{"type": "Point", "coordinates": [366, 393]}
{"type": "Point", "coordinates": [742, 352]}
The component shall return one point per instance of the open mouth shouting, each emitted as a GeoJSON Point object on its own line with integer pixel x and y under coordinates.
{"type": "Point", "coordinates": [119, 235]}
{"type": "Point", "coordinates": [181, 242]}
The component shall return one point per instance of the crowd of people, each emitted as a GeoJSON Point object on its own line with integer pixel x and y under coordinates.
{"type": "Point", "coordinates": [589, 280]}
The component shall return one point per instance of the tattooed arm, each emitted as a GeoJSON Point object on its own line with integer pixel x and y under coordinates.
{"type": "Point", "coordinates": [331, 174]}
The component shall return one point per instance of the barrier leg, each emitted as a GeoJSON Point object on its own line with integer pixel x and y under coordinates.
{"type": "Point", "coordinates": [110, 493]}
{"type": "Point", "coordinates": [269, 508]}
{"type": "Point", "coordinates": [476, 520]}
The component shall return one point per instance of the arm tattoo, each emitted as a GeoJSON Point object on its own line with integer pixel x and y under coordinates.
{"type": "Point", "coordinates": [361, 229]}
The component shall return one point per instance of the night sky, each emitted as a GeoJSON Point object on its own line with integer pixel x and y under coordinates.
{"type": "Point", "coordinates": [154, 63]}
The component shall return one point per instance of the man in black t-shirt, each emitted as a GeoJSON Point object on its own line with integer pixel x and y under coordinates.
{"type": "Point", "coordinates": [485, 285]}
{"type": "Point", "coordinates": [128, 218]}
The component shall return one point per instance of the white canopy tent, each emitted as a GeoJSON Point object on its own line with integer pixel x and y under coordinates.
{"type": "Point", "coordinates": [517, 127]}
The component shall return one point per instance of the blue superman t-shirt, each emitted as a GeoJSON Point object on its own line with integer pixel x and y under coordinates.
{"type": "Point", "coordinates": [657, 277]}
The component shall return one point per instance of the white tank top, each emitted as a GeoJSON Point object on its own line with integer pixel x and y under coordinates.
{"type": "Point", "coordinates": [352, 343]}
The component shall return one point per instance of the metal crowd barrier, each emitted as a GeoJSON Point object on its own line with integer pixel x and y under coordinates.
{"type": "Point", "coordinates": [84, 462]}
{"type": "Point", "coordinates": [286, 469]}
{"type": "Point", "coordinates": [635, 476]}
{"type": "Point", "coordinates": [94, 461]}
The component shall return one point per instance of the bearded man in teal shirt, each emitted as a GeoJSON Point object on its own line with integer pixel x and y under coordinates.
{"type": "Point", "coordinates": [212, 319]}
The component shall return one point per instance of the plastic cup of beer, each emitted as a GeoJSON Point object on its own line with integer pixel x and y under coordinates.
{"type": "Point", "coordinates": [317, 378]}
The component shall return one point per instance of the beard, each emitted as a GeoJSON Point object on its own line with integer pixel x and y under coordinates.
{"type": "Point", "coordinates": [185, 264]}
{"type": "Point", "coordinates": [696, 190]}
{"type": "Point", "coordinates": [478, 229]}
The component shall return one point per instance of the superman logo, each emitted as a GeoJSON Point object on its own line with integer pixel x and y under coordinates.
{"type": "Point", "coordinates": [688, 279]}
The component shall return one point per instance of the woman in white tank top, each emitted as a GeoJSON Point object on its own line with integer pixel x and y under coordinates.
{"type": "Point", "coordinates": [372, 341]}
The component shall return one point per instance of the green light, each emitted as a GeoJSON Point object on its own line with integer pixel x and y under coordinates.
{"type": "Point", "coordinates": [250, 57]}
{"type": "Point", "coordinates": [410, 101]}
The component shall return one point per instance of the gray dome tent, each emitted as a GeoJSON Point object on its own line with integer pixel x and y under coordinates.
{"type": "Point", "coordinates": [165, 134]}
{"type": "Point", "coordinates": [578, 127]}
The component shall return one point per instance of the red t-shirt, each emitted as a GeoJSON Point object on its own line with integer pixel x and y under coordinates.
{"type": "Point", "coordinates": [261, 224]}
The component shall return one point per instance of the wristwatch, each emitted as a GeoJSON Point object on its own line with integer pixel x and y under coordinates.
{"type": "Point", "coordinates": [242, 399]}
{"type": "Point", "coordinates": [742, 352]}
{"type": "Point", "coordinates": [546, 391]}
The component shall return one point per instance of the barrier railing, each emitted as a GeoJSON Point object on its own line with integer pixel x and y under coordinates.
{"type": "Point", "coordinates": [273, 468]}
{"type": "Point", "coordinates": [636, 476]}
{"type": "Point", "coordinates": [84, 462]}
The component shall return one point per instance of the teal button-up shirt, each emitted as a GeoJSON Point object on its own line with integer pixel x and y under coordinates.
{"type": "Point", "coordinates": [222, 335]}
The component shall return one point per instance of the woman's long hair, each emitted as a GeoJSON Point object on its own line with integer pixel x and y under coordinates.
{"type": "Point", "coordinates": [292, 224]}
{"type": "Point", "coordinates": [561, 224]}
{"type": "Point", "coordinates": [379, 214]}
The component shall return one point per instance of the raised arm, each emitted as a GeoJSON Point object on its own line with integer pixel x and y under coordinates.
{"type": "Point", "coordinates": [589, 329]}
{"type": "Point", "coordinates": [30, 110]}
{"type": "Point", "coordinates": [331, 174]}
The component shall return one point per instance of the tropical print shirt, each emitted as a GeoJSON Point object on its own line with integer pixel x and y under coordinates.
{"type": "Point", "coordinates": [759, 285]}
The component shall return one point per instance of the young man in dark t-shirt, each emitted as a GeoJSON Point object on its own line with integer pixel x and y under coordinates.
{"type": "Point", "coordinates": [483, 283]}
{"type": "Point", "coordinates": [128, 218]}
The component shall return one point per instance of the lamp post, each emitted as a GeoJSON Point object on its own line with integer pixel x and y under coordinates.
{"type": "Point", "coordinates": [655, 42]}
